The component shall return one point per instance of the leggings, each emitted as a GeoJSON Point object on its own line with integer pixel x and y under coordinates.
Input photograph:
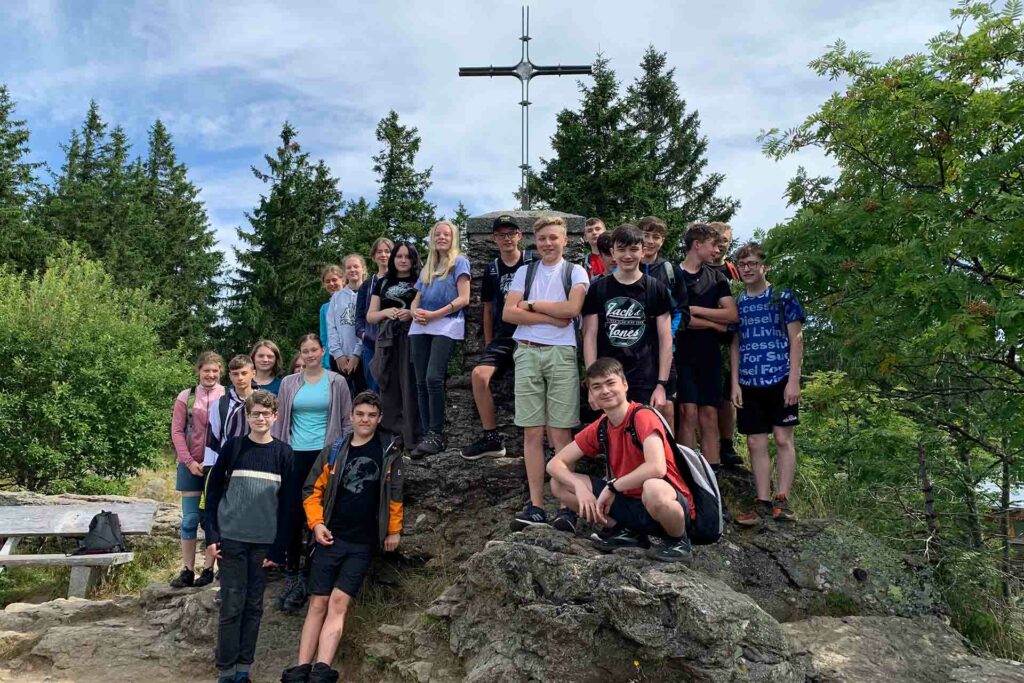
{"type": "Point", "coordinates": [189, 518]}
{"type": "Point", "coordinates": [296, 548]}
{"type": "Point", "coordinates": [430, 355]}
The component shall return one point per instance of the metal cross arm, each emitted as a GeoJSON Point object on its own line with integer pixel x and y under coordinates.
{"type": "Point", "coordinates": [525, 71]}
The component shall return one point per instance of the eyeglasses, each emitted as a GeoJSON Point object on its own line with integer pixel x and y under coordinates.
{"type": "Point", "coordinates": [506, 235]}
{"type": "Point", "coordinates": [748, 265]}
{"type": "Point", "coordinates": [260, 415]}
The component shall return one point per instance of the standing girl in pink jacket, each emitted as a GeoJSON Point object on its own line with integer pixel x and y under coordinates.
{"type": "Point", "coordinates": [190, 423]}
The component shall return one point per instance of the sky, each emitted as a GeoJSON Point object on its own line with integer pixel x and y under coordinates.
{"type": "Point", "coordinates": [224, 76]}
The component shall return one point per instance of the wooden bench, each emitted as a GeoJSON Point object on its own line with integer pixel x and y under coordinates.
{"type": "Point", "coordinates": [69, 521]}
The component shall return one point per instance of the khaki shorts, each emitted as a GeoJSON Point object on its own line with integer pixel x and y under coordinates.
{"type": "Point", "coordinates": [547, 386]}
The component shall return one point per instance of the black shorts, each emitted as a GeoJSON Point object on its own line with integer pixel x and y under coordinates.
{"type": "Point", "coordinates": [341, 565]}
{"type": "Point", "coordinates": [764, 408]}
{"type": "Point", "coordinates": [631, 513]}
{"type": "Point", "coordinates": [639, 394]}
{"type": "Point", "coordinates": [701, 383]}
{"type": "Point", "coordinates": [498, 354]}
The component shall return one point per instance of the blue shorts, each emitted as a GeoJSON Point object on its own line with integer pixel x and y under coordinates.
{"type": "Point", "coordinates": [631, 513]}
{"type": "Point", "coordinates": [184, 480]}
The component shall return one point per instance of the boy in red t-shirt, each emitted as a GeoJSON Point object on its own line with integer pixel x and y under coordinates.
{"type": "Point", "coordinates": [646, 494]}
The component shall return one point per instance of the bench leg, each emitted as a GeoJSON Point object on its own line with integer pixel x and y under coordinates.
{"type": "Point", "coordinates": [82, 580]}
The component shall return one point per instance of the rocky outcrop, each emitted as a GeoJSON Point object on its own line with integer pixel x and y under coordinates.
{"type": "Point", "coordinates": [919, 650]}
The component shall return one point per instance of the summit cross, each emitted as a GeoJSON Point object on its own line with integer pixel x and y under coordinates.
{"type": "Point", "coordinates": [525, 71]}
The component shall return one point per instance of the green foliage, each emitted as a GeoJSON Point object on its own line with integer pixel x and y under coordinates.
{"type": "Point", "coordinates": [143, 221]}
{"type": "Point", "coordinates": [401, 204]}
{"type": "Point", "coordinates": [622, 157]}
{"type": "Point", "coordinates": [23, 245]}
{"type": "Point", "coordinates": [274, 293]}
{"type": "Point", "coordinates": [85, 394]}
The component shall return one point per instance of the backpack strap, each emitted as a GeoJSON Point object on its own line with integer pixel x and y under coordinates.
{"type": "Point", "coordinates": [531, 272]}
{"type": "Point", "coordinates": [222, 408]}
{"type": "Point", "coordinates": [190, 404]}
{"type": "Point", "coordinates": [780, 306]}
{"type": "Point", "coordinates": [602, 443]}
{"type": "Point", "coordinates": [566, 278]}
{"type": "Point", "coordinates": [670, 275]}
{"type": "Point", "coordinates": [734, 272]}
{"type": "Point", "coordinates": [332, 455]}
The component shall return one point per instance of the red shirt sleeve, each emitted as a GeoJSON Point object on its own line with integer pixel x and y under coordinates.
{"type": "Point", "coordinates": [587, 442]}
{"type": "Point", "coordinates": [647, 422]}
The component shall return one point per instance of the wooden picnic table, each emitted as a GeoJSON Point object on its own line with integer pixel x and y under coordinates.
{"type": "Point", "coordinates": [69, 521]}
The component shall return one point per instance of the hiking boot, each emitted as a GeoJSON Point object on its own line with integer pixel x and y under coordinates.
{"type": "Point", "coordinates": [672, 550]}
{"type": "Point", "coordinates": [431, 444]}
{"type": "Point", "coordinates": [756, 517]}
{"type": "Point", "coordinates": [565, 520]}
{"type": "Point", "coordinates": [322, 673]}
{"type": "Point", "coordinates": [290, 579]}
{"type": "Point", "coordinates": [296, 599]}
{"type": "Point", "coordinates": [620, 537]}
{"type": "Point", "coordinates": [297, 674]}
{"type": "Point", "coordinates": [185, 579]}
{"type": "Point", "coordinates": [242, 677]}
{"type": "Point", "coordinates": [530, 516]}
{"type": "Point", "coordinates": [489, 445]}
{"type": "Point", "coordinates": [204, 579]}
{"type": "Point", "coordinates": [781, 511]}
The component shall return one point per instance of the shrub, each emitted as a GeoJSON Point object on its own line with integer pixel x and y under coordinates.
{"type": "Point", "coordinates": [85, 389]}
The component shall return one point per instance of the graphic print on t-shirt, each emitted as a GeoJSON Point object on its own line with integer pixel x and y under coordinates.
{"type": "Point", "coordinates": [625, 321]}
{"type": "Point", "coordinates": [397, 293]}
{"type": "Point", "coordinates": [359, 472]}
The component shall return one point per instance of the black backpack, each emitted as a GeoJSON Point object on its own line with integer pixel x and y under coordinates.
{"type": "Point", "coordinates": [104, 536]}
{"type": "Point", "coordinates": [707, 526]}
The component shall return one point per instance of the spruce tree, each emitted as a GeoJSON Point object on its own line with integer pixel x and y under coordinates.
{"type": "Point", "coordinates": [598, 161]}
{"type": "Point", "coordinates": [360, 225]}
{"type": "Point", "coordinates": [23, 244]}
{"type": "Point", "coordinates": [675, 184]}
{"type": "Point", "coordinates": [401, 200]}
{"type": "Point", "coordinates": [185, 263]}
{"type": "Point", "coordinates": [275, 290]}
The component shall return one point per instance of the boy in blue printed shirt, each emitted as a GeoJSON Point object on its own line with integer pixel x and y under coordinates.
{"type": "Point", "coordinates": [766, 355]}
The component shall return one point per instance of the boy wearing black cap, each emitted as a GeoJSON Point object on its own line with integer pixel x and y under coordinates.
{"type": "Point", "coordinates": [499, 346]}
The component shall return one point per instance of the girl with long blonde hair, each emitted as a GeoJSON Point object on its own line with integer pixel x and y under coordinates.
{"type": "Point", "coordinates": [438, 322]}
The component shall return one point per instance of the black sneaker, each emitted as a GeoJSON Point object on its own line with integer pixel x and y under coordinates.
{"type": "Point", "coordinates": [621, 538]}
{"type": "Point", "coordinates": [565, 520]}
{"type": "Point", "coordinates": [489, 445]}
{"type": "Point", "coordinates": [530, 516]}
{"type": "Point", "coordinates": [296, 674]}
{"type": "Point", "coordinates": [672, 550]}
{"type": "Point", "coordinates": [731, 458]}
{"type": "Point", "coordinates": [322, 673]}
{"type": "Point", "coordinates": [205, 578]}
{"type": "Point", "coordinates": [431, 444]}
{"type": "Point", "coordinates": [185, 579]}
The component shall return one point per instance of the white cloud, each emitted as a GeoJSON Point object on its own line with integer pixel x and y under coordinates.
{"type": "Point", "coordinates": [224, 76]}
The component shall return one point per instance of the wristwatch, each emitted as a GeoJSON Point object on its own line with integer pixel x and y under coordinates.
{"type": "Point", "coordinates": [611, 485]}
{"type": "Point", "coordinates": [663, 383]}
{"type": "Point", "coordinates": [529, 305]}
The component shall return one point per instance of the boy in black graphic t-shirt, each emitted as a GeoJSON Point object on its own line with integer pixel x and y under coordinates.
{"type": "Point", "coordinates": [353, 504]}
{"type": "Point", "coordinates": [499, 346]}
{"type": "Point", "coordinates": [628, 316]}
{"type": "Point", "coordinates": [698, 357]}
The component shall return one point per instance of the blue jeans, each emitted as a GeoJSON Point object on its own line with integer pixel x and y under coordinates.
{"type": "Point", "coordinates": [430, 356]}
{"type": "Point", "coordinates": [371, 382]}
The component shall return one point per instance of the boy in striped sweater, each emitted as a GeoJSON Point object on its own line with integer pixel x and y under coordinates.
{"type": "Point", "coordinates": [247, 514]}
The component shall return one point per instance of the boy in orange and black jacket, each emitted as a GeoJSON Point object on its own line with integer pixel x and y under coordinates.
{"type": "Point", "coordinates": [353, 504]}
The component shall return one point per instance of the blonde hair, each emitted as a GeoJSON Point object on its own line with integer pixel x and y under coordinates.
{"type": "Point", "coordinates": [438, 266]}
{"type": "Point", "coordinates": [266, 343]}
{"type": "Point", "coordinates": [362, 263]}
{"type": "Point", "coordinates": [332, 268]}
{"type": "Point", "coordinates": [547, 222]}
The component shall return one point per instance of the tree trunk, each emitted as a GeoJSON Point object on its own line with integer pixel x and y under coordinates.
{"type": "Point", "coordinates": [970, 496]}
{"type": "Point", "coordinates": [929, 497]}
{"type": "Point", "coordinates": [1005, 505]}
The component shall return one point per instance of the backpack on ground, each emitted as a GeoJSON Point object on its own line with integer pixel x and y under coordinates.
{"type": "Point", "coordinates": [104, 536]}
{"type": "Point", "coordinates": [706, 527]}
